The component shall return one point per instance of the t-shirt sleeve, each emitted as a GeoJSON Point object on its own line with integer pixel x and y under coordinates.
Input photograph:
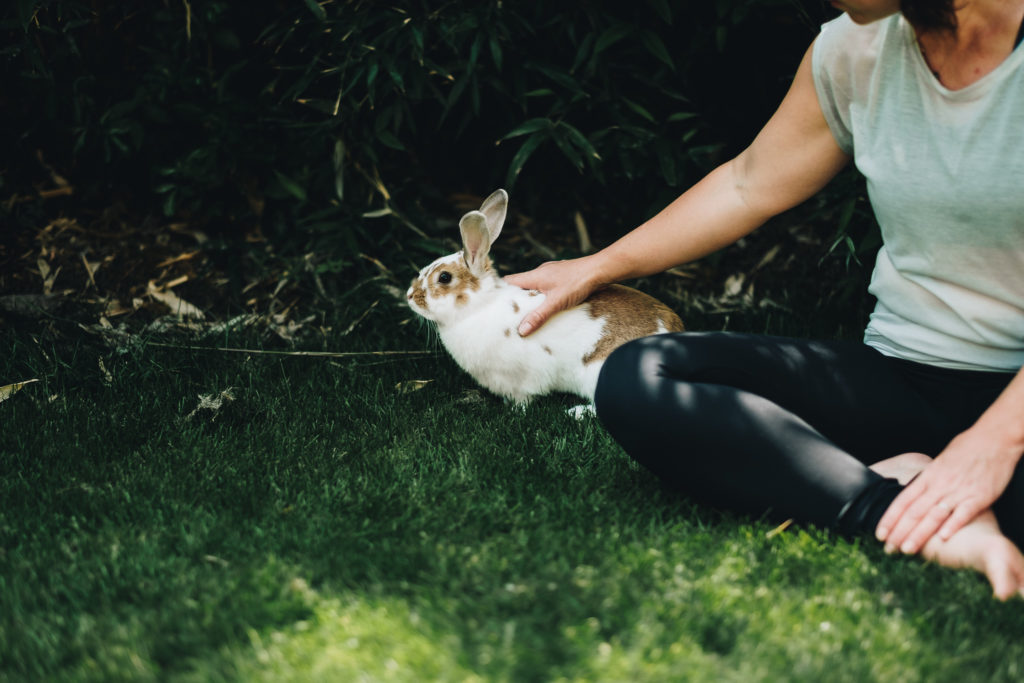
{"type": "Point", "coordinates": [833, 78]}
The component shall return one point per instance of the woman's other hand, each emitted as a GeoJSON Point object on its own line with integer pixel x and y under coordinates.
{"type": "Point", "coordinates": [963, 481]}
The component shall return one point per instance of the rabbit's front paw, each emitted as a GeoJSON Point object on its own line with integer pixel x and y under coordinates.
{"type": "Point", "coordinates": [582, 411]}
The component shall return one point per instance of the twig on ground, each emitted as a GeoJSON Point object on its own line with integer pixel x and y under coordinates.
{"type": "Point", "coordinates": [358, 320]}
{"type": "Point", "coordinates": [307, 354]}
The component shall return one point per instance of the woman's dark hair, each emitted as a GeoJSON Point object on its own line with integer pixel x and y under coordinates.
{"type": "Point", "coordinates": [930, 14]}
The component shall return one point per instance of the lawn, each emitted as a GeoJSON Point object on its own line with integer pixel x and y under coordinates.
{"type": "Point", "coordinates": [369, 517]}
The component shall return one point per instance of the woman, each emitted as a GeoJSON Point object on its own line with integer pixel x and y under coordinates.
{"type": "Point", "coordinates": [915, 435]}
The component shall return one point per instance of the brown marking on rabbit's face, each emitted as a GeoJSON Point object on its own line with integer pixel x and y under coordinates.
{"type": "Point", "coordinates": [452, 279]}
{"type": "Point", "coordinates": [443, 291]}
{"type": "Point", "coordinates": [627, 314]}
{"type": "Point", "coordinates": [417, 294]}
{"type": "Point", "coordinates": [515, 307]}
{"type": "Point", "coordinates": [445, 279]}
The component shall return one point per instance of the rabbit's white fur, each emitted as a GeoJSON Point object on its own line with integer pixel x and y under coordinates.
{"type": "Point", "coordinates": [477, 315]}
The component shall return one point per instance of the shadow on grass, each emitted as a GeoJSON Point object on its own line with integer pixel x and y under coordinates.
{"type": "Point", "coordinates": [323, 524]}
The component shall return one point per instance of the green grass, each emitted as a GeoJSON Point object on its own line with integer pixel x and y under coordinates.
{"type": "Point", "coordinates": [325, 525]}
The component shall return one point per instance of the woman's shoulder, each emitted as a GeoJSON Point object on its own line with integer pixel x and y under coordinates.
{"type": "Point", "coordinates": [843, 36]}
{"type": "Point", "coordinates": [846, 50]}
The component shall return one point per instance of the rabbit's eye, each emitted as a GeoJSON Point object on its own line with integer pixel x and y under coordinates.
{"type": "Point", "coordinates": [445, 277]}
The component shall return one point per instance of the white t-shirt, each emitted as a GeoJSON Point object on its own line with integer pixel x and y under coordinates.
{"type": "Point", "coordinates": [945, 175]}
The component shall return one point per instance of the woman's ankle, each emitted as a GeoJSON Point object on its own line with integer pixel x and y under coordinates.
{"type": "Point", "coordinates": [903, 468]}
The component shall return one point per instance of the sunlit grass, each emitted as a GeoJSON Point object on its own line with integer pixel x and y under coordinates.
{"type": "Point", "coordinates": [329, 524]}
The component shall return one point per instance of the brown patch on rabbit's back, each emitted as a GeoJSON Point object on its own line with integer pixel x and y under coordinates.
{"type": "Point", "coordinates": [627, 314]}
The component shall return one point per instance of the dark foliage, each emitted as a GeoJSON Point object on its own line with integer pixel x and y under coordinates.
{"type": "Point", "coordinates": [303, 116]}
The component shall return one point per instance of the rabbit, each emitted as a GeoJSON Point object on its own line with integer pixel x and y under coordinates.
{"type": "Point", "coordinates": [477, 315]}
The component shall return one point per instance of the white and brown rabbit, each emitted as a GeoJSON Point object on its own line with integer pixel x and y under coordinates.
{"type": "Point", "coordinates": [477, 314]}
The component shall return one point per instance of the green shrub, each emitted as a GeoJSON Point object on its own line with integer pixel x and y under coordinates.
{"type": "Point", "coordinates": [300, 117]}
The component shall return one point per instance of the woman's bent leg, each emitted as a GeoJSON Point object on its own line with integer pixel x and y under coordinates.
{"type": "Point", "coordinates": [762, 424]}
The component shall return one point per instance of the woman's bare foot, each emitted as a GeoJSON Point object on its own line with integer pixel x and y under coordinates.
{"type": "Point", "coordinates": [980, 545]}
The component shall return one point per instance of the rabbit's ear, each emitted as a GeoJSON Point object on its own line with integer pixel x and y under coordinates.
{"type": "Point", "coordinates": [494, 208]}
{"type": "Point", "coordinates": [476, 241]}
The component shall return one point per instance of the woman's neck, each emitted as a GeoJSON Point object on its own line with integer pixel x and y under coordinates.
{"type": "Point", "coordinates": [984, 37]}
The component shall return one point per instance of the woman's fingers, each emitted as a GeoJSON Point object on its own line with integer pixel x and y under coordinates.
{"type": "Point", "coordinates": [534, 279]}
{"type": "Point", "coordinates": [959, 517]}
{"type": "Point", "coordinates": [930, 521]}
{"type": "Point", "coordinates": [537, 317]}
{"type": "Point", "coordinates": [563, 286]}
{"type": "Point", "coordinates": [897, 508]}
{"type": "Point", "coordinates": [912, 518]}
{"type": "Point", "coordinates": [914, 521]}
{"type": "Point", "coordinates": [525, 280]}
{"type": "Point", "coordinates": [915, 515]}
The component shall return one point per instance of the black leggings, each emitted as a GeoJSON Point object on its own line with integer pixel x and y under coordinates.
{"type": "Point", "coordinates": [785, 428]}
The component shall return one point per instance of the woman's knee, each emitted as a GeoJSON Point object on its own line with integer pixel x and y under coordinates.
{"type": "Point", "coordinates": [628, 374]}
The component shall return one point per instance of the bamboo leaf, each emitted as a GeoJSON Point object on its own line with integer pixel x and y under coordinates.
{"type": "Point", "coordinates": [474, 51]}
{"type": "Point", "coordinates": [667, 162]}
{"type": "Point", "coordinates": [316, 9]}
{"type": "Point", "coordinates": [496, 52]}
{"type": "Point", "coordinates": [657, 48]}
{"type": "Point", "coordinates": [454, 95]}
{"type": "Point", "coordinates": [662, 9]}
{"type": "Point", "coordinates": [528, 148]}
{"type": "Point", "coordinates": [639, 110]}
{"type": "Point", "coordinates": [417, 39]}
{"type": "Point", "coordinates": [583, 52]}
{"type": "Point", "coordinates": [561, 138]}
{"type": "Point", "coordinates": [581, 141]}
{"type": "Point", "coordinates": [292, 187]}
{"type": "Point", "coordinates": [389, 140]}
{"type": "Point", "coordinates": [681, 116]}
{"type": "Point", "coordinates": [396, 78]}
{"type": "Point", "coordinates": [560, 78]}
{"type": "Point", "coordinates": [610, 36]}
{"type": "Point", "coordinates": [529, 126]}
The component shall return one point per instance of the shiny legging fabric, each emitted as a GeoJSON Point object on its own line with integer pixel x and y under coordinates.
{"type": "Point", "coordinates": [785, 428]}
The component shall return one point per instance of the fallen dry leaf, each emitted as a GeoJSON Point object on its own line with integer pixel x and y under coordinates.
{"type": "Point", "coordinates": [734, 285]}
{"type": "Point", "coordinates": [9, 390]}
{"type": "Point", "coordinates": [178, 306]}
{"type": "Point", "coordinates": [90, 269]}
{"type": "Point", "coordinates": [412, 385]}
{"type": "Point", "coordinates": [108, 379]}
{"type": "Point", "coordinates": [212, 403]}
{"type": "Point", "coordinates": [49, 278]}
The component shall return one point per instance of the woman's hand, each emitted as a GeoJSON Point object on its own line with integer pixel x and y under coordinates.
{"type": "Point", "coordinates": [963, 481]}
{"type": "Point", "coordinates": [564, 283]}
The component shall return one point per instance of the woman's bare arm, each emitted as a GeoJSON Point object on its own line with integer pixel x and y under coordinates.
{"type": "Point", "coordinates": [792, 158]}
